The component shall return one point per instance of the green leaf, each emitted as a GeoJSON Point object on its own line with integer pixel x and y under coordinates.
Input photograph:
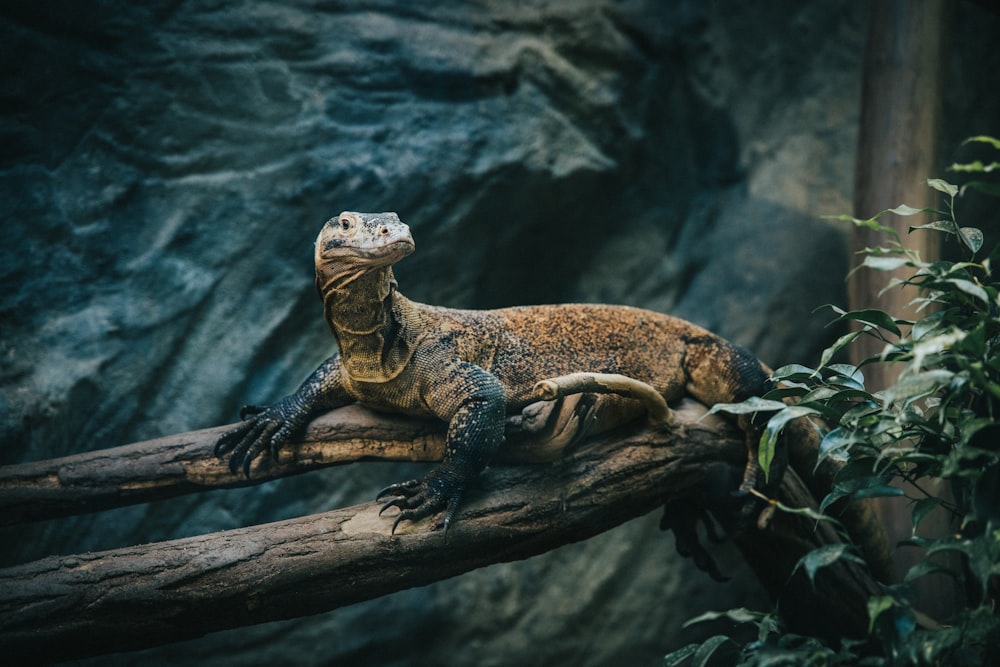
{"type": "Point", "coordinates": [765, 453]}
{"type": "Point", "coordinates": [849, 371]}
{"type": "Point", "coordinates": [972, 238]}
{"type": "Point", "coordinates": [971, 289]}
{"type": "Point", "coordinates": [819, 397]}
{"type": "Point", "coordinates": [885, 263]}
{"type": "Point", "coordinates": [675, 658]}
{"type": "Point", "coordinates": [859, 479]}
{"type": "Point", "coordinates": [852, 488]}
{"type": "Point", "coordinates": [922, 508]}
{"type": "Point", "coordinates": [877, 605]}
{"type": "Point", "coordinates": [983, 139]}
{"type": "Point", "coordinates": [878, 318]}
{"type": "Point", "coordinates": [870, 223]}
{"type": "Point", "coordinates": [866, 411]}
{"type": "Point", "coordinates": [822, 406]}
{"type": "Point", "coordinates": [878, 491]}
{"type": "Point", "coordinates": [736, 615]}
{"type": "Point", "coordinates": [786, 391]}
{"type": "Point", "coordinates": [917, 384]}
{"type": "Point", "coordinates": [905, 210]}
{"type": "Point", "coordinates": [925, 567]}
{"type": "Point", "coordinates": [707, 648]}
{"type": "Point", "coordinates": [838, 344]}
{"type": "Point", "coordinates": [834, 397]}
{"type": "Point", "coordinates": [769, 438]}
{"type": "Point", "coordinates": [933, 323]}
{"type": "Point", "coordinates": [943, 186]}
{"type": "Point", "coordinates": [822, 557]}
{"type": "Point", "coordinates": [974, 167]}
{"type": "Point", "coordinates": [961, 545]}
{"type": "Point", "coordinates": [794, 373]}
{"type": "Point", "coordinates": [837, 440]}
{"type": "Point", "coordinates": [750, 406]}
{"type": "Point", "coordinates": [848, 376]}
{"type": "Point", "coordinates": [946, 226]}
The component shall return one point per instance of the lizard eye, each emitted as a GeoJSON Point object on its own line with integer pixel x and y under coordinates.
{"type": "Point", "coordinates": [345, 224]}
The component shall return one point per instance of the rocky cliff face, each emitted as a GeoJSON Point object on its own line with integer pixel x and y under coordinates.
{"type": "Point", "coordinates": [167, 165]}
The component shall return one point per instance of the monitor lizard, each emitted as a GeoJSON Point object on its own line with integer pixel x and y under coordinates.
{"type": "Point", "coordinates": [471, 368]}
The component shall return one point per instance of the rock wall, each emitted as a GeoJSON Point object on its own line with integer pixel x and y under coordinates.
{"type": "Point", "coordinates": [167, 165]}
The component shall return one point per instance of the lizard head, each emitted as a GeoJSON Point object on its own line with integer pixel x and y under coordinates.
{"type": "Point", "coordinates": [362, 240]}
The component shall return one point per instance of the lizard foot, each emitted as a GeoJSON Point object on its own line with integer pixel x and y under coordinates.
{"type": "Point", "coordinates": [263, 428]}
{"type": "Point", "coordinates": [244, 443]}
{"type": "Point", "coordinates": [419, 498]}
{"type": "Point", "coordinates": [724, 513]}
{"type": "Point", "coordinates": [682, 517]}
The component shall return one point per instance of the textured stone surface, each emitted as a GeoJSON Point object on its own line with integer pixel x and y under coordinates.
{"type": "Point", "coordinates": [166, 166]}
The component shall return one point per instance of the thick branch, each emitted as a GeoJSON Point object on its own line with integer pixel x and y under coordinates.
{"type": "Point", "coordinates": [73, 606]}
{"type": "Point", "coordinates": [183, 463]}
{"type": "Point", "coordinates": [180, 464]}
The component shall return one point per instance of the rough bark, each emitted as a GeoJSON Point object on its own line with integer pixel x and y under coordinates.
{"type": "Point", "coordinates": [125, 599]}
{"type": "Point", "coordinates": [179, 464]}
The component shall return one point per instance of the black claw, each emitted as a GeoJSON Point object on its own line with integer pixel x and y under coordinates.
{"type": "Point", "coordinates": [405, 489]}
{"type": "Point", "coordinates": [413, 514]}
{"type": "Point", "coordinates": [236, 457]}
{"type": "Point", "coordinates": [235, 461]}
{"type": "Point", "coordinates": [239, 451]}
{"type": "Point", "coordinates": [275, 441]}
{"type": "Point", "coordinates": [228, 440]}
{"type": "Point", "coordinates": [251, 410]}
{"type": "Point", "coordinates": [450, 510]}
{"type": "Point", "coordinates": [248, 447]}
{"type": "Point", "coordinates": [247, 460]}
{"type": "Point", "coordinates": [395, 502]}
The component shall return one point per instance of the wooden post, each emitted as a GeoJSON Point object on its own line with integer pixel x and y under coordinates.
{"type": "Point", "coordinates": [902, 84]}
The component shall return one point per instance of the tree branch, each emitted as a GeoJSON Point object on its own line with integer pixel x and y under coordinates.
{"type": "Point", "coordinates": [183, 463]}
{"type": "Point", "coordinates": [125, 599]}
{"type": "Point", "coordinates": [180, 464]}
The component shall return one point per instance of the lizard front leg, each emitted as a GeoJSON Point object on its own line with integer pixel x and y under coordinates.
{"type": "Point", "coordinates": [271, 427]}
{"type": "Point", "coordinates": [475, 405]}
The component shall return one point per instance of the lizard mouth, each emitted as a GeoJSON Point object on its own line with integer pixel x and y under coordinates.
{"type": "Point", "coordinates": [389, 245]}
{"type": "Point", "coordinates": [395, 248]}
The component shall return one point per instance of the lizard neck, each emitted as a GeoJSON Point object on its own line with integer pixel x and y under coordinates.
{"type": "Point", "coordinates": [365, 314]}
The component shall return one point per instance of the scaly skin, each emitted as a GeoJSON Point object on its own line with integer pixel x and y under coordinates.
{"type": "Point", "coordinates": [472, 368]}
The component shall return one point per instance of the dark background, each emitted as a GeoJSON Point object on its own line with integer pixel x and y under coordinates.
{"type": "Point", "coordinates": [165, 167]}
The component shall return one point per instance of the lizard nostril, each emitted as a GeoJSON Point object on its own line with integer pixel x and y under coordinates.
{"type": "Point", "coordinates": [384, 231]}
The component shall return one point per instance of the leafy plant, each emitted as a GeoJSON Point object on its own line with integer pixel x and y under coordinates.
{"type": "Point", "coordinates": [937, 422]}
